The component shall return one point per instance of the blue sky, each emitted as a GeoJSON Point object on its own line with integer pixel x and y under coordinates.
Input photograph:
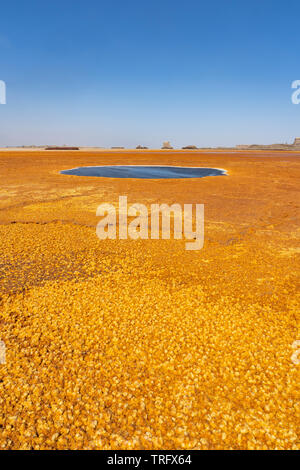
{"type": "Point", "coordinates": [127, 72]}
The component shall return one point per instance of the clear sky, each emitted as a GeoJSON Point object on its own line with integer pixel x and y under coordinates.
{"type": "Point", "coordinates": [129, 72]}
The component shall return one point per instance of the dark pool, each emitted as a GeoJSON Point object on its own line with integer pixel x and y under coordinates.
{"type": "Point", "coordinates": [144, 172]}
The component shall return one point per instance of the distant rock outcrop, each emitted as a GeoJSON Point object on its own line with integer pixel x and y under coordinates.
{"type": "Point", "coordinates": [294, 146]}
{"type": "Point", "coordinates": [141, 147]}
{"type": "Point", "coordinates": [167, 145]}
{"type": "Point", "coordinates": [61, 148]}
{"type": "Point", "coordinates": [189, 147]}
{"type": "Point", "coordinates": [296, 143]}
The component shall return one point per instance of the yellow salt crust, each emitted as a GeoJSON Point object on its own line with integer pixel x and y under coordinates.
{"type": "Point", "coordinates": [140, 344]}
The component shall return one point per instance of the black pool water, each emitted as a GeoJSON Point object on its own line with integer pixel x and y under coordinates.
{"type": "Point", "coordinates": [144, 172]}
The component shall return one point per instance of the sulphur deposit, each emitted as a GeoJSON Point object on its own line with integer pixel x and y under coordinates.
{"type": "Point", "coordinates": [142, 344]}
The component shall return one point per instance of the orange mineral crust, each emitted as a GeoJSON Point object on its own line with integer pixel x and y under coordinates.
{"type": "Point", "coordinates": [140, 344]}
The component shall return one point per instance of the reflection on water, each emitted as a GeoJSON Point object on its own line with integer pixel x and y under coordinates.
{"type": "Point", "coordinates": [144, 172]}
